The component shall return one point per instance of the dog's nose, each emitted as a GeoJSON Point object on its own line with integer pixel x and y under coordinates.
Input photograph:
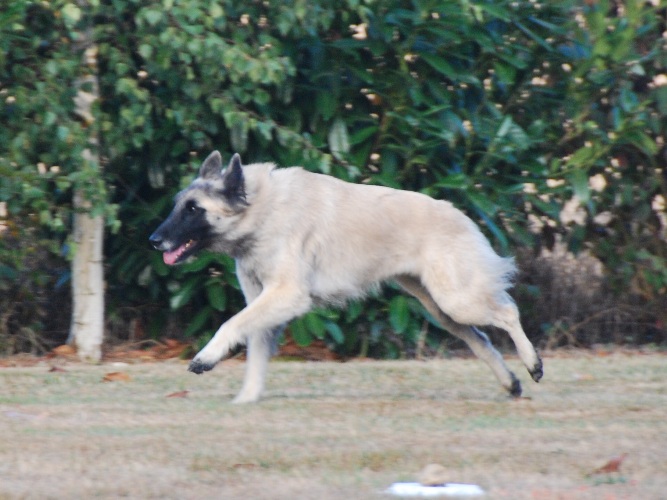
{"type": "Point", "coordinates": [156, 240]}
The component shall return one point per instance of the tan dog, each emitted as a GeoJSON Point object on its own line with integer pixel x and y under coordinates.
{"type": "Point", "coordinates": [302, 239]}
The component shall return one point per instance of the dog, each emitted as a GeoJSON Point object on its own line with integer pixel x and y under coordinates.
{"type": "Point", "coordinates": [302, 239]}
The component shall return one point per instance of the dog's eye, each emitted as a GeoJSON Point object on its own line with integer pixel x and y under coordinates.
{"type": "Point", "coordinates": [191, 206]}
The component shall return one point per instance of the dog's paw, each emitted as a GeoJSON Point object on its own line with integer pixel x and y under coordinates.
{"type": "Point", "coordinates": [515, 388]}
{"type": "Point", "coordinates": [199, 367]}
{"type": "Point", "coordinates": [537, 372]}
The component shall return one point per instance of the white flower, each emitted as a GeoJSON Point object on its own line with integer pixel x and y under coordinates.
{"type": "Point", "coordinates": [529, 188]}
{"type": "Point", "coordinates": [573, 212]}
{"type": "Point", "coordinates": [660, 80]}
{"type": "Point", "coordinates": [597, 182]}
{"type": "Point", "coordinates": [603, 218]}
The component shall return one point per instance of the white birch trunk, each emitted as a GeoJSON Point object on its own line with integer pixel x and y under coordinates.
{"type": "Point", "coordinates": [87, 326]}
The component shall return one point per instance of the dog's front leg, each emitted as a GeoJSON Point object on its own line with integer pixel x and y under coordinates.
{"type": "Point", "coordinates": [273, 307]}
{"type": "Point", "coordinates": [259, 351]}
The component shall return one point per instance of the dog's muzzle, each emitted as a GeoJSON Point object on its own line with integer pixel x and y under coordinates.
{"type": "Point", "coordinates": [157, 241]}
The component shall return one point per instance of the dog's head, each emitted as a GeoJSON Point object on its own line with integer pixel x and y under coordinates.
{"type": "Point", "coordinates": [205, 213]}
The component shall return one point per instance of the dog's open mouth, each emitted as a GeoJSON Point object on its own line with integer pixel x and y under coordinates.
{"type": "Point", "coordinates": [171, 258]}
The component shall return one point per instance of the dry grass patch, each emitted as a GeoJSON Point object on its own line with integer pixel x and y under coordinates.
{"type": "Point", "coordinates": [333, 430]}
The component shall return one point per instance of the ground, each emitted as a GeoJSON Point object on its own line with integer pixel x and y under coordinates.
{"type": "Point", "coordinates": [331, 430]}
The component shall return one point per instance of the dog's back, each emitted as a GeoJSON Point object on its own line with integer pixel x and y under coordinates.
{"type": "Point", "coordinates": [353, 236]}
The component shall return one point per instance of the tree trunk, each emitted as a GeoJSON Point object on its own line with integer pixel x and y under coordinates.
{"type": "Point", "coordinates": [87, 326]}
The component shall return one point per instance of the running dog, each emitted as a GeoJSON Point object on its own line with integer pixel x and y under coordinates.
{"type": "Point", "coordinates": [302, 239]}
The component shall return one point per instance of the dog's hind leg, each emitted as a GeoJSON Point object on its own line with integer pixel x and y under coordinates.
{"type": "Point", "coordinates": [480, 305]}
{"type": "Point", "coordinates": [506, 316]}
{"type": "Point", "coordinates": [477, 341]}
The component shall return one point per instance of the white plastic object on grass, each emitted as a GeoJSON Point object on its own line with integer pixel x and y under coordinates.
{"type": "Point", "coordinates": [444, 490]}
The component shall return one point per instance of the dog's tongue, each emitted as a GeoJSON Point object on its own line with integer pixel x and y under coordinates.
{"type": "Point", "coordinates": [170, 258]}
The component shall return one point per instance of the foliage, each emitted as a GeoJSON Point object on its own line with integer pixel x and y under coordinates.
{"type": "Point", "coordinates": [42, 137]}
{"type": "Point", "coordinates": [508, 109]}
{"type": "Point", "coordinates": [41, 141]}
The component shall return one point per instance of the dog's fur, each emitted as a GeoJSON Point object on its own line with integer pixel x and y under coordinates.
{"type": "Point", "coordinates": [301, 239]}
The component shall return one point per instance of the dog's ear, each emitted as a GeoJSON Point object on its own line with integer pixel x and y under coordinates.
{"type": "Point", "coordinates": [233, 182]}
{"type": "Point", "coordinates": [212, 166]}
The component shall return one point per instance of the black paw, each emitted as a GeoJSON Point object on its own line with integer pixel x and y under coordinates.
{"type": "Point", "coordinates": [198, 367]}
{"type": "Point", "coordinates": [515, 389]}
{"type": "Point", "coordinates": [537, 371]}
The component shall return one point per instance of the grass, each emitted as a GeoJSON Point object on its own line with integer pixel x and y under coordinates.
{"type": "Point", "coordinates": [334, 430]}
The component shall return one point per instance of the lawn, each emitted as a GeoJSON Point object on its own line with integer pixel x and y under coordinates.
{"type": "Point", "coordinates": [330, 430]}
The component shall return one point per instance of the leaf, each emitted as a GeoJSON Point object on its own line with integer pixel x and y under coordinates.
{"type": "Point", "coordinates": [642, 141]}
{"type": "Point", "coordinates": [335, 331]}
{"type": "Point", "coordinates": [453, 181]}
{"type": "Point", "coordinates": [146, 51]}
{"type": "Point", "coordinates": [315, 324]}
{"type": "Point", "coordinates": [217, 296]}
{"type": "Point", "coordinates": [171, 348]}
{"type": "Point", "coordinates": [363, 134]}
{"type": "Point", "coordinates": [238, 124]}
{"type": "Point", "coordinates": [71, 14]}
{"type": "Point", "coordinates": [399, 314]}
{"type": "Point", "coordinates": [179, 394]}
{"type": "Point", "coordinates": [339, 142]}
{"type": "Point", "coordinates": [198, 321]}
{"type": "Point", "coordinates": [497, 232]}
{"type": "Point", "coordinates": [184, 294]}
{"type": "Point", "coordinates": [580, 185]}
{"type": "Point", "coordinates": [440, 65]}
{"type": "Point", "coordinates": [202, 261]}
{"type": "Point", "coordinates": [116, 377]}
{"type": "Point", "coordinates": [153, 16]}
{"type": "Point", "coordinates": [495, 11]}
{"type": "Point", "coordinates": [57, 369]}
{"type": "Point", "coordinates": [482, 203]}
{"type": "Point", "coordinates": [64, 350]}
{"type": "Point", "coordinates": [505, 72]}
{"type": "Point", "coordinates": [533, 36]}
{"type": "Point", "coordinates": [245, 466]}
{"type": "Point", "coordinates": [613, 465]}
{"type": "Point", "coordinates": [300, 333]}
{"type": "Point", "coordinates": [582, 157]}
{"type": "Point", "coordinates": [325, 104]}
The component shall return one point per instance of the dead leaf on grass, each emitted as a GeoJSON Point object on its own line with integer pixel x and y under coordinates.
{"type": "Point", "coordinates": [316, 351]}
{"type": "Point", "coordinates": [244, 466]}
{"type": "Point", "coordinates": [613, 465]}
{"type": "Point", "coordinates": [64, 350]}
{"type": "Point", "coordinates": [116, 377]}
{"type": "Point", "coordinates": [179, 394]}
{"type": "Point", "coordinates": [57, 369]}
{"type": "Point", "coordinates": [166, 349]}
{"type": "Point", "coordinates": [173, 349]}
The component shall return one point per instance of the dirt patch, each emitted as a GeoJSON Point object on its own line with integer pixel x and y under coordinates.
{"type": "Point", "coordinates": [333, 430]}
